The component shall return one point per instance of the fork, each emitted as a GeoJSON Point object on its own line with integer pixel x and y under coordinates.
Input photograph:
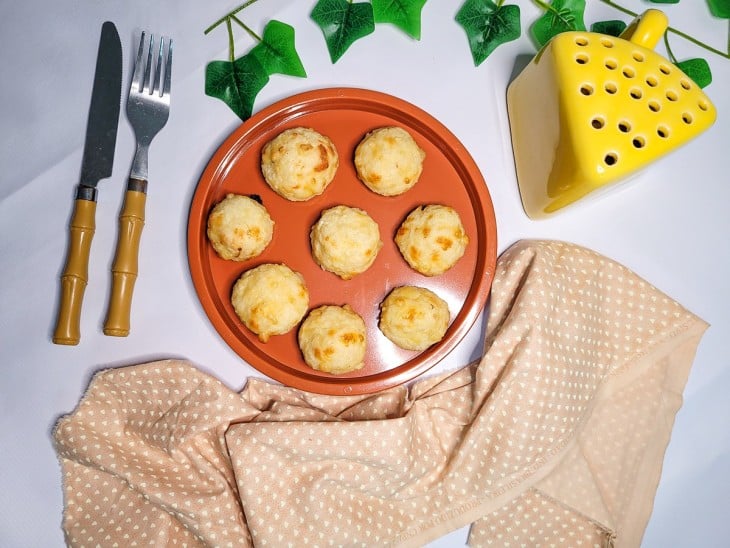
{"type": "Point", "coordinates": [148, 108]}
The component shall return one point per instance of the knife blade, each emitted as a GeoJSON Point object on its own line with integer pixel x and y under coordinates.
{"type": "Point", "coordinates": [97, 163]}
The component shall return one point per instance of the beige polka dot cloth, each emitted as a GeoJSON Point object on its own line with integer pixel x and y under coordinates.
{"type": "Point", "coordinates": [554, 438]}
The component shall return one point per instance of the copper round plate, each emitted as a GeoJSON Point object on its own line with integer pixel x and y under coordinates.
{"type": "Point", "coordinates": [345, 115]}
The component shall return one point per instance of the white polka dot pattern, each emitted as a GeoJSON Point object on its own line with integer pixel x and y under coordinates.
{"type": "Point", "coordinates": [555, 438]}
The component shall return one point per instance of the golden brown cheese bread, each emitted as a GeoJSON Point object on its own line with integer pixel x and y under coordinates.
{"type": "Point", "coordinates": [239, 228]}
{"type": "Point", "coordinates": [333, 339]}
{"type": "Point", "coordinates": [389, 161]}
{"type": "Point", "coordinates": [414, 318]}
{"type": "Point", "coordinates": [299, 163]}
{"type": "Point", "coordinates": [345, 240]}
{"type": "Point", "coordinates": [432, 239]}
{"type": "Point", "coordinates": [270, 299]}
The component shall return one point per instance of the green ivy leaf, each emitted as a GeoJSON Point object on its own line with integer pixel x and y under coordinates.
{"type": "Point", "coordinates": [276, 52]}
{"type": "Point", "coordinates": [720, 8]}
{"type": "Point", "coordinates": [487, 26]}
{"type": "Point", "coordinates": [562, 15]}
{"type": "Point", "coordinates": [614, 27]}
{"type": "Point", "coordinates": [404, 14]}
{"type": "Point", "coordinates": [343, 23]}
{"type": "Point", "coordinates": [236, 83]}
{"type": "Point", "coordinates": [698, 70]}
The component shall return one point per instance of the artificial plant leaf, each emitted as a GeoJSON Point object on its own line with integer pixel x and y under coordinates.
{"type": "Point", "coordinates": [236, 83]}
{"type": "Point", "coordinates": [664, 1]}
{"type": "Point", "coordinates": [343, 23]}
{"type": "Point", "coordinates": [488, 25]}
{"type": "Point", "coordinates": [276, 52]}
{"type": "Point", "coordinates": [698, 70]}
{"type": "Point", "coordinates": [720, 8]}
{"type": "Point", "coordinates": [404, 14]}
{"type": "Point", "coordinates": [561, 16]}
{"type": "Point", "coordinates": [614, 27]}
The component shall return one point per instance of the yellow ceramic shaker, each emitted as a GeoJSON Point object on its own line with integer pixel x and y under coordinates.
{"type": "Point", "coordinates": [590, 110]}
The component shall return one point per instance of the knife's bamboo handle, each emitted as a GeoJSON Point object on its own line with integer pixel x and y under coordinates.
{"type": "Point", "coordinates": [124, 268]}
{"type": "Point", "coordinates": [75, 273]}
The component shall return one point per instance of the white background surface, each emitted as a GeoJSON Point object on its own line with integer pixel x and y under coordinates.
{"type": "Point", "coordinates": [670, 224]}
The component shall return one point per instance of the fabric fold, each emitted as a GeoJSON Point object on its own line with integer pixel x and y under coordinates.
{"type": "Point", "coordinates": [556, 435]}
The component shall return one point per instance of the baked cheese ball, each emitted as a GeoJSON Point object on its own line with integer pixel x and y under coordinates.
{"type": "Point", "coordinates": [432, 239]}
{"type": "Point", "coordinates": [299, 163]}
{"type": "Point", "coordinates": [239, 228]}
{"type": "Point", "coordinates": [414, 318]}
{"type": "Point", "coordinates": [345, 241]}
{"type": "Point", "coordinates": [333, 339]}
{"type": "Point", "coordinates": [270, 299]}
{"type": "Point", "coordinates": [389, 161]}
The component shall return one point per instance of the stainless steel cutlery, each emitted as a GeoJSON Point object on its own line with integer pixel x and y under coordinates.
{"type": "Point", "coordinates": [101, 138]}
{"type": "Point", "coordinates": [148, 107]}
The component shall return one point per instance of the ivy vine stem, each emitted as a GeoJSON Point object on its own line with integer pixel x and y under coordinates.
{"type": "Point", "coordinates": [228, 15]}
{"type": "Point", "coordinates": [231, 52]}
{"type": "Point", "coordinates": [672, 58]}
{"type": "Point", "coordinates": [678, 32]}
{"type": "Point", "coordinates": [247, 29]}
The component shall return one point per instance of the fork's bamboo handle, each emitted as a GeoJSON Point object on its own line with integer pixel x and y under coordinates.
{"type": "Point", "coordinates": [125, 266]}
{"type": "Point", "coordinates": [75, 273]}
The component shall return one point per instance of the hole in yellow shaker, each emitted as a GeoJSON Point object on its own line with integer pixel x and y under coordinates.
{"type": "Point", "coordinates": [629, 72]}
{"type": "Point", "coordinates": [586, 89]}
{"type": "Point", "coordinates": [654, 106]}
{"type": "Point", "coordinates": [610, 159]}
{"type": "Point", "coordinates": [703, 105]}
{"type": "Point", "coordinates": [664, 69]}
{"type": "Point", "coordinates": [635, 93]}
{"type": "Point", "coordinates": [685, 84]}
{"type": "Point", "coordinates": [652, 82]}
{"type": "Point", "coordinates": [606, 43]}
{"type": "Point", "coordinates": [687, 118]}
{"type": "Point", "coordinates": [624, 126]}
{"type": "Point", "coordinates": [638, 142]}
{"type": "Point", "coordinates": [611, 64]}
{"type": "Point", "coordinates": [638, 56]}
{"type": "Point", "coordinates": [581, 41]}
{"type": "Point", "coordinates": [581, 58]}
{"type": "Point", "coordinates": [598, 123]}
{"type": "Point", "coordinates": [672, 95]}
{"type": "Point", "coordinates": [662, 131]}
{"type": "Point", "coordinates": [610, 87]}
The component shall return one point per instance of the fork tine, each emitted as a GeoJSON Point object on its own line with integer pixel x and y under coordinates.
{"type": "Point", "coordinates": [137, 75]}
{"type": "Point", "coordinates": [158, 70]}
{"type": "Point", "coordinates": [168, 69]}
{"type": "Point", "coordinates": [148, 66]}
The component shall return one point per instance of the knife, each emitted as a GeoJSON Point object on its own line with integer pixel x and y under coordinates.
{"type": "Point", "coordinates": [98, 158]}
